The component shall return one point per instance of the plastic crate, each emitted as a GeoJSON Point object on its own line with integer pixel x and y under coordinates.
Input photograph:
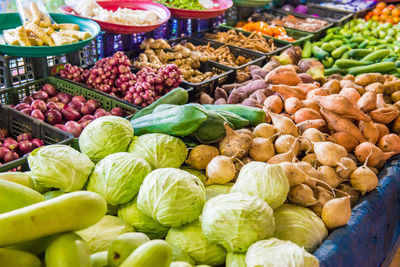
{"type": "Point", "coordinates": [255, 57]}
{"type": "Point", "coordinates": [16, 123]}
{"type": "Point", "coordinates": [299, 36]}
{"type": "Point", "coordinates": [15, 71]}
{"type": "Point", "coordinates": [280, 46]}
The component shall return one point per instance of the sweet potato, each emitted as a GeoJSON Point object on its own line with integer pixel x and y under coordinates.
{"type": "Point", "coordinates": [367, 102]}
{"type": "Point", "coordinates": [390, 143]}
{"type": "Point", "coordinates": [310, 103]}
{"type": "Point", "coordinates": [258, 73]}
{"type": "Point", "coordinates": [242, 76]}
{"type": "Point", "coordinates": [305, 114]}
{"type": "Point", "coordinates": [286, 91]}
{"type": "Point", "coordinates": [307, 87]}
{"type": "Point", "coordinates": [352, 94]}
{"type": "Point", "coordinates": [250, 102]}
{"type": "Point", "coordinates": [384, 115]}
{"type": "Point", "coordinates": [319, 91]}
{"type": "Point", "coordinates": [220, 101]}
{"type": "Point", "coordinates": [368, 78]}
{"type": "Point", "coordinates": [220, 93]}
{"type": "Point", "coordinates": [382, 128]}
{"type": "Point", "coordinates": [206, 99]}
{"type": "Point", "coordinates": [283, 75]}
{"type": "Point", "coordinates": [333, 86]}
{"type": "Point", "coordinates": [233, 97]}
{"type": "Point", "coordinates": [306, 78]}
{"type": "Point", "coordinates": [369, 131]}
{"type": "Point", "coordinates": [395, 96]}
{"type": "Point", "coordinates": [317, 124]}
{"type": "Point", "coordinates": [349, 77]}
{"type": "Point", "coordinates": [344, 139]}
{"type": "Point", "coordinates": [335, 122]}
{"type": "Point", "coordinates": [230, 87]}
{"type": "Point", "coordinates": [252, 86]}
{"type": "Point", "coordinates": [391, 87]}
{"type": "Point", "coordinates": [348, 83]}
{"type": "Point", "coordinates": [396, 125]}
{"type": "Point", "coordinates": [380, 101]}
{"type": "Point", "coordinates": [292, 104]}
{"type": "Point", "coordinates": [259, 96]}
{"type": "Point", "coordinates": [377, 88]}
{"type": "Point", "coordinates": [341, 105]}
{"type": "Point", "coordinates": [274, 103]}
{"type": "Point", "coordinates": [376, 155]}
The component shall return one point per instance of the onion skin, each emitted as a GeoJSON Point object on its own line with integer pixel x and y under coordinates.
{"type": "Point", "coordinates": [40, 105]}
{"type": "Point", "coordinates": [73, 128]}
{"type": "Point", "coordinates": [37, 114]}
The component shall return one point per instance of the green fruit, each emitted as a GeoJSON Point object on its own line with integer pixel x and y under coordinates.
{"type": "Point", "coordinates": [18, 177]}
{"type": "Point", "coordinates": [155, 253]}
{"type": "Point", "coordinates": [16, 258]}
{"type": "Point", "coordinates": [99, 259]}
{"type": "Point", "coordinates": [123, 246]}
{"type": "Point", "coordinates": [67, 250]}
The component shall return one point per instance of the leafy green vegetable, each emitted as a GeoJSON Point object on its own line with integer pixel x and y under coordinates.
{"type": "Point", "coordinates": [182, 4]}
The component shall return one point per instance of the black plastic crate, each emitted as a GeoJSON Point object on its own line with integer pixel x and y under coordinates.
{"type": "Point", "coordinates": [255, 57]}
{"type": "Point", "coordinates": [17, 122]}
{"type": "Point", "coordinates": [15, 70]}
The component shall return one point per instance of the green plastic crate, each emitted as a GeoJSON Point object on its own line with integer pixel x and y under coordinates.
{"type": "Point", "coordinates": [17, 122]}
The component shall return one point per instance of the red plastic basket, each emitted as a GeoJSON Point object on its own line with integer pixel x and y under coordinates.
{"type": "Point", "coordinates": [202, 14]}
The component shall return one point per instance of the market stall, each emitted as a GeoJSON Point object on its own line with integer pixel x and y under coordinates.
{"type": "Point", "coordinates": [200, 133]}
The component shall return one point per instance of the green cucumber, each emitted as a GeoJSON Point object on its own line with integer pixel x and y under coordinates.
{"type": "Point", "coordinates": [179, 121]}
{"type": "Point", "coordinates": [319, 53]}
{"type": "Point", "coordinates": [328, 62]}
{"type": "Point", "coordinates": [163, 107]}
{"type": "Point", "coordinates": [212, 129]}
{"type": "Point", "coordinates": [360, 53]}
{"type": "Point", "coordinates": [363, 44]}
{"type": "Point", "coordinates": [255, 116]}
{"type": "Point", "coordinates": [336, 43]}
{"type": "Point", "coordinates": [178, 96]}
{"type": "Point", "coordinates": [155, 253]}
{"type": "Point", "coordinates": [18, 177]}
{"type": "Point", "coordinates": [338, 52]}
{"type": "Point", "coordinates": [328, 47]}
{"type": "Point", "coordinates": [123, 246]}
{"type": "Point", "coordinates": [237, 121]}
{"type": "Point", "coordinates": [16, 258]}
{"type": "Point", "coordinates": [348, 63]}
{"type": "Point", "coordinates": [306, 53]}
{"type": "Point", "coordinates": [346, 55]}
{"type": "Point", "coordinates": [333, 70]}
{"type": "Point", "coordinates": [376, 55]}
{"type": "Point", "coordinates": [372, 68]}
{"type": "Point", "coordinates": [99, 259]}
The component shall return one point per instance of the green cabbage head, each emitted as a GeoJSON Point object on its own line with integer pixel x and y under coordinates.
{"type": "Point", "coordinates": [180, 255]}
{"type": "Point", "coordinates": [274, 252]}
{"type": "Point", "coordinates": [171, 196]}
{"type": "Point", "coordinates": [214, 190]}
{"type": "Point", "coordinates": [59, 166]}
{"type": "Point", "coordinates": [299, 225]}
{"type": "Point", "coordinates": [265, 181]}
{"type": "Point", "coordinates": [200, 174]}
{"type": "Point", "coordinates": [190, 239]}
{"type": "Point", "coordinates": [235, 260]}
{"type": "Point", "coordinates": [237, 220]}
{"type": "Point", "coordinates": [130, 213]}
{"type": "Point", "coordinates": [118, 177]}
{"type": "Point", "coordinates": [105, 136]}
{"type": "Point", "coordinates": [100, 235]}
{"type": "Point", "coordinates": [160, 150]}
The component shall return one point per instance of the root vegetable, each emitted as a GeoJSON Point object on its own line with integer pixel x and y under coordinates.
{"type": "Point", "coordinates": [383, 129]}
{"type": "Point", "coordinates": [329, 153]}
{"type": "Point", "coordinates": [377, 88]}
{"type": "Point", "coordinates": [286, 91]}
{"type": "Point", "coordinates": [349, 190]}
{"type": "Point", "coordinates": [380, 101]}
{"type": "Point", "coordinates": [308, 124]}
{"type": "Point", "coordinates": [220, 170]}
{"type": "Point", "coordinates": [285, 143]}
{"type": "Point", "coordinates": [314, 135]}
{"type": "Point", "coordinates": [262, 149]}
{"type": "Point", "coordinates": [333, 86]}
{"type": "Point", "coordinates": [390, 143]}
{"type": "Point", "coordinates": [305, 114]}
{"type": "Point", "coordinates": [368, 78]}
{"type": "Point", "coordinates": [352, 94]}
{"type": "Point", "coordinates": [328, 175]}
{"type": "Point", "coordinates": [344, 139]}
{"type": "Point", "coordinates": [339, 124]}
{"type": "Point", "coordinates": [307, 87]}
{"type": "Point", "coordinates": [341, 105]}
{"type": "Point", "coordinates": [306, 78]}
{"type": "Point", "coordinates": [312, 160]}
{"type": "Point", "coordinates": [317, 92]}
{"type": "Point", "coordinates": [363, 178]}
{"type": "Point", "coordinates": [73, 128]}
{"type": "Point", "coordinates": [307, 168]}
{"type": "Point", "coordinates": [283, 124]}
{"type": "Point", "coordinates": [264, 130]}
{"type": "Point", "coordinates": [367, 102]}
{"type": "Point", "coordinates": [292, 104]}
{"type": "Point", "coordinates": [234, 144]}
{"type": "Point", "coordinates": [245, 131]}
{"type": "Point", "coordinates": [336, 212]}
{"type": "Point", "coordinates": [310, 103]}
{"type": "Point", "coordinates": [302, 195]}
{"type": "Point", "coordinates": [295, 175]}
{"type": "Point", "coordinates": [283, 75]}
{"type": "Point", "coordinates": [206, 99]}
{"type": "Point", "coordinates": [385, 115]}
{"type": "Point", "coordinates": [369, 131]}
{"type": "Point", "coordinates": [274, 103]}
{"type": "Point", "coordinates": [200, 156]}
{"type": "Point", "coordinates": [285, 157]}
{"type": "Point", "coordinates": [346, 169]}
{"type": "Point", "coordinates": [363, 151]}
{"type": "Point", "coordinates": [220, 93]}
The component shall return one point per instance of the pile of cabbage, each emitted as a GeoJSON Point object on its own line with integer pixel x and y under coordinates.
{"type": "Point", "coordinates": [148, 190]}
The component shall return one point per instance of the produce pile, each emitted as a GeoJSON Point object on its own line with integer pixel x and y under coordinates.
{"type": "Point", "coordinates": [266, 29]}
{"type": "Point", "coordinates": [15, 148]}
{"type": "Point", "coordinates": [358, 47]}
{"type": "Point", "coordinates": [189, 4]}
{"type": "Point", "coordinates": [384, 13]}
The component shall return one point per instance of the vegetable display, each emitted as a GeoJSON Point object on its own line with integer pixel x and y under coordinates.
{"type": "Point", "coordinates": [384, 13]}
{"type": "Point", "coordinates": [266, 29]}
{"type": "Point", "coordinates": [14, 148]}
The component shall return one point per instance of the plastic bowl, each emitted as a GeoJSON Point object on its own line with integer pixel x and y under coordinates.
{"type": "Point", "coordinates": [202, 14]}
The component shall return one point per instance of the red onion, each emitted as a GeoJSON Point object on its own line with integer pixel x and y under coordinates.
{"type": "Point", "coordinates": [64, 98]}
{"type": "Point", "coordinates": [76, 104]}
{"type": "Point", "coordinates": [94, 102]}
{"type": "Point", "coordinates": [22, 106]}
{"type": "Point", "coordinates": [40, 95]}
{"type": "Point", "coordinates": [27, 99]}
{"type": "Point", "coordinates": [3, 152]}
{"type": "Point", "coordinates": [53, 116]}
{"type": "Point", "coordinates": [60, 105]}
{"type": "Point", "coordinates": [37, 142]}
{"type": "Point", "coordinates": [27, 111]}
{"type": "Point", "coordinates": [49, 89]}
{"type": "Point", "coordinates": [79, 98]}
{"type": "Point", "coordinates": [70, 113]}
{"type": "Point", "coordinates": [86, 118]}
{"type": "Point", "coordinates": [117, 111]}
{"type": "Point", "coordinates": [10, 143]}
{"type": "Point", "coordinates": [40, 105]}
{"type": "Point", "coordinates": [37, 114]}
{"type": "Point", "coordinates": [25, 147]}
{"type": "Point", "coordinates": [88, 108]}
{"type": "Point", "coordinates": [73, 128]}
{"type": "Point", "coordinates": [60, 126]}
{"type": "Point", "coordinates": [85, 123]}
{"type": "Point", "coordinates": [24, 137]}
{"type": "Point", "coordinates": [101, 113]}
{"type": "Point", "coordinates": [10, 156]}
{"type": "Point", "coordinates": [53, 99]}
{"type": "Point", "coordinates": [52, 105]}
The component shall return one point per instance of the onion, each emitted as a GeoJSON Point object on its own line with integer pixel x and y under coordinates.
{"type": "Point", "coordinates": [76, 104]}
{"type": "Point", "coordinates": [37, 114]}
{"type": "Point", "coordinates": [25, 147]}
{"type": "Point", "coordinates": [27, 111]}
{"type": "Point", "coordinates": [94, 102]}
{"type": "Point", "coordinates": [302, 9]}
{"type": "Point", "coordinates": [49, 89]}
{"type": "Point", "coordinates": [79, 98]}
{"type": "Point", "coordinates": [88, 108]}
{"type": "Point", "coordinates": [85, 123]}
{"type": "Point", "coordinates": [52, 105]}
{"type": "Point", "coordinates": [40, 95]}
{"type": "Point", "coordinates": [10, 143]}
{"type": "Point", "coordinates": [60, 126]}
{"type": "Point", "coordinates": [64, 98]}
{"type": "Point", "coordinates": [24, 137]}
{"type": "Point", "coordinates": [70, 113]}
{"type": "Point", "coordinates": [22, 106]}
{"type": "Point", "coordinates": [27, 99]}
{"type": "Point", "coordinates": [117, 111]}
{"type": "Point", "coordinates": [10, 156]}
{"type": "Point", "coordinates": [3, 152]}
{"type": "Point", "coordinates": [87, 118]}
{"type": "Point", "coordinates": [37, 142]}
{"type": "Point", "coordinates": [74, 128]}
{"type": "Point", "coordinates": [53, 116]}
{"type": "Point", "coordinates": [39, 104]}
{"type": "Point", "coordinates": [53, 99]}
{"type": "Point", "coordinates": [101, 113]}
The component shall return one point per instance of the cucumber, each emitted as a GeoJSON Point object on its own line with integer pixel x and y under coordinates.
{"type": "Point", "coordinates": [53, 194]}
{"type": "Point", "coordinates": [37, 246]}
{"type": "Point", "coordinates": [212, 129]}
{"type": "Point", "coordinates": [14, 196]}
{"type": "Point", "coordinates": [338, 52]}
{"type": "Point", "coordinates": [360, 53]}
{"type": "Point", "coordinates": [18, 177]}
{"type": "Point", "coordinates": [155, 253]}
{"type": "Point", "coordinates": [348, 63]}
{"type": "Point", "coordinates": [336, 43]}
{"type": "Point", "coordinates": [346, 55]}
{"type": "Point", "coordinates": [255, 116]}
{"type": "Point", "coordinates": [237, 121]}
{"type": "Point", "coordinates": [372, 68]}
{"type": "Point", "coordinates": [328, 47]}
{"type": "Point", "coordinates": [69, 212]}
{"type": "Point", "coordinates": [99, 259]}
{"type": "Point", "coordinates": [333, 70]}
{"type": "Point", "coordinates": [328, 62]}
{"type": "Point", "coordinates": [319, 53]}
{"type": "Point", "coordinates": [163, 107]}
{"type": "Point", "coordinates": [16, 258]}
{"type": "Point", "coordinates": [123, 246]}
{"type": "Point", "coordinates": [179, 121]}
{"type": "Point", "coordinates": [374, 56]}
{"type": "Point", "coordinates": [67, 250]}
{"type": "Point", "coordinates": [306, 53]}
{"type": "Point", "coordinates": [178, 96]}
{"type": "Point", "coordinates": [363, 44]}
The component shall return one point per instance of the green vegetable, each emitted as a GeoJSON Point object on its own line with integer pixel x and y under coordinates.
{"type": "Point", "coordinates": [99, 259]}
{"type": "Point", "coordinates": [319, 53]}
{"type": "Point", "coordinates": [359, 53]}
{"type": "Point", "coordinates": [237, 121]}
{"type": "Point", "coordinates": [346, 55]}
{"type": "Point", "coordinates": [123, 246]}
{"type": "Point", "coordinates": [335, 43]}
{"type": "Point", "coordinates": [333, 70]}
{"type": "Point", "coordinates": [180, 255]}
{"type": "Point", "coordinates": [338, 52]}
{"type": "Point", "coordinates": [182, 4]}
{"type": "Point", "coordinates": [52, 194]}
{"type": "Point", "coordinates": [118, 177]}
{"type": "Point", "coordinates": [171, 196]}
{"type": "Point", "coordinates": [60, 166]}
{"type": "Point", "coordinates": [237, 220]}
{"type": "Point", "coordinates": [363, 44]}
{"type": "Point", "coordinates": [104, 136]}
{"type": "Point", "coordinates": [217, 189]}
{"type": "Point", "coordinates": [180, 121]}
{"type": "Point", "coordinates": [159, 150]}
{"type": "Point", "coordinates": [236, 259]}
{"type": "Point", "coordinates": [328, 47]}
{"type": "Point", "coordinates": [212, 129]}
{"type": "Point", "coordinates": [266, 181]}
{"type": "Point", "coordinates": [13, 258]}
{"type": "Point", "coordinates": [155, 253]}
{"type": "Point", "coordinates": [377, 67]}
{"type": "Point", "coordinates": [199, 174]}
{"type": "Point", "coordinates": [255, 116]}
{"type": "Point", "coordinates": [178, 96]}
{"type": "Point", "coordinates": [328, 62]}
{"type": "Point", "coordinates": [376, 55]}
{"type": "Point", "coordinates": [191, 240]}
{"type": "Point", "coordinates": [348, 63]}
{"type": "Point", "coordinates": [306, 53]}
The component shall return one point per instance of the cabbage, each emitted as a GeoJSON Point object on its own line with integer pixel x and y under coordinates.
{"type": "Point", "coordinates": [217, 189]}
{"type": "Point", "coordinates": [265, 181]}
{"type": "Point", "coordinates": [130, 213]}
{"type": "Point", "coordinates": [278, 253]}
{"type": "Point", "coordinates": [200, 174]}
{"type": "Point", "coordinates": [100, 235]}
{"type": "Point", "coordinates": [105, 136]}
{"type": "Point", "coordinates": [237, 220]}
{"type": "Point", "coordinates": [235, 260]}
{"type": "Point", "coordinates": [180, 255]}
{"type": "Point", "coordinates": [190, 239]}
{"type": "Point", "coordinates": [52, 194]}
{"type": "Point", "coordinates": [118, 177]}
{"type": "Point", "coordinates": [59, 166]}
{"type": "Point", "coordinates": [160, 150]}
{"type": "Point", "coordinates": [180, 264]}
{"type": "Point", "coordinates": [171, 196]}
{"type": "Point", "coordinates": [299, 225]}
